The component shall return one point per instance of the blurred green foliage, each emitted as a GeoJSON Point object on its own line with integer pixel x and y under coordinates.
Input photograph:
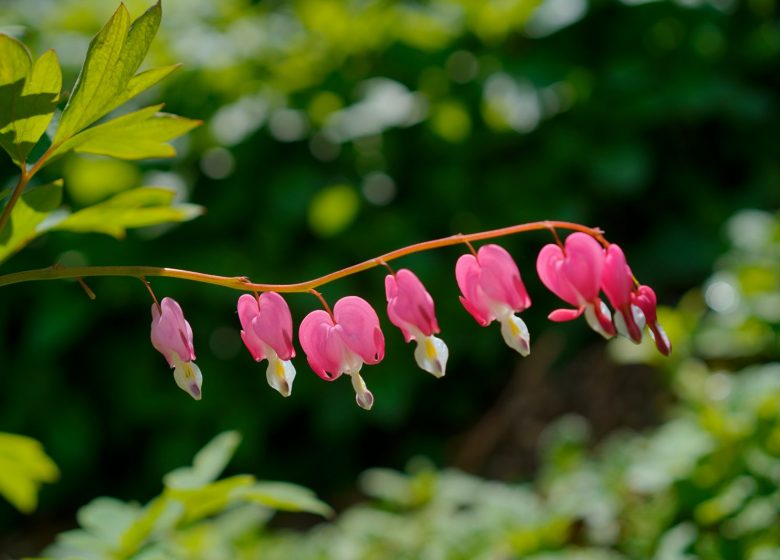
{"type": "Point", "coordinates": [653, 120]}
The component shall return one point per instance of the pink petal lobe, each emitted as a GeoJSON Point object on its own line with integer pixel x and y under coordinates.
{"type": "Point", "coordinates": [500, 278]}
{"type": "Point", "coordinates": [548, 266]}
{"type": "Point", "coordinates": [273, 325]}
{"type": "Point", "coordinates": [616, 280]}
{"type": "Point", "coordinates": [563, 315]}
{"type": "Point", "coordinates": [322, 345]}
{"type": "Point", "coordinates": [583, 265]}
{"type": "Point", "coordinates": [171, 333]}
{"type": "Point", "coordinates": [248, 310]}
{"type": "Point", "coordinates": [410, 304]}
{"type": "Point", "coordinates": [467, 274]}
{"type": "Point", "coordinates": [360, 329]}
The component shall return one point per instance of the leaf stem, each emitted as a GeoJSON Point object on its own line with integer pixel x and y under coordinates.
{"type": "Point", "coordinates": [24, 180]}
{"type": "Point", "coordinates": [242, 283]}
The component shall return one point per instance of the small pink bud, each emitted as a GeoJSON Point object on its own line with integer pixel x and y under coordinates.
{"type": "Point", "coordinates": [493, 290]}
{"type": "Point", "coordinates": [343, 343]}
{"type": "Point", "coordinates": [410, 308]}
{"type": "Point", "coordinates": [645, 299]}
{"type": "Point", "coordinates": [267, 333]}
{"type": "Point", "coordinates": [574, 275]}
{"type": "Point", "coordinates": [172, 337]}
{"type": "Point", "coordinates": [618, 283]}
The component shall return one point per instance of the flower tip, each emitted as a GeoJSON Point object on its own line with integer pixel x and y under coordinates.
{"type": "Point", "coordinates": [431, 355]}
{"type": "Point", "coordinates": [365, 400]}
{"type": "Point", "coordinates": [280, 375]}
{"type": "Point", "coordinates": [188, 378]}
{"type": "Point", "coordinates": [516, 335]}
{"type": "Point", "coordinates": [363, 397]}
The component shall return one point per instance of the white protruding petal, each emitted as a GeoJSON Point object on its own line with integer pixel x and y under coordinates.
{"type": "Point", "coordinates": [515, 333]}
{"type": "Point", "coordinates": [664, 338]}
{"type": "Point", "coordinates": [639, 317]}
{"type": "Point", "coordinates": [188, 377]}
{"type": "Point", "coordinates": [620, 323]}
{"type": "Point", "coordinates": [431, 355]}
{"type": "Point", "coordinates": [280, 375]}
{"type": "Point", "coordinates": [593, 321]}
{"type": "Point", "coordinates": [363, 397]}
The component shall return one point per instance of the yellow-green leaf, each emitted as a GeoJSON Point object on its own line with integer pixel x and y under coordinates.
{"type": "Point", "coordinates": [138, 135]}
{"type": "Point", "coordinates": [15, 62]}
{"type": "Point", "coordinates": [99, 77]}
{"type": "Point", "coordinates": [207, 464]}
{"type": "Point", "coordinates": [106, 79]}
{"type": "Point", "coordinates": [210, 499]}
{"type": "Point", "coordinates": [144, 80]}
{"type": "Point", "coordinates": [140, 207]}
{"type": "Point", "coordinates": [23, 468]}
{"type": "Point", "coordinates": [285, 496]}
{"type": "Point", "coordinates": [31, 209]}
{"type": "Point", "coordinates": [35, 107]}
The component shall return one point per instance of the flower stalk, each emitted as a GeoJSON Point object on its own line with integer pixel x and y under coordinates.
{"type": "Point", "coordinates": [242, 283]}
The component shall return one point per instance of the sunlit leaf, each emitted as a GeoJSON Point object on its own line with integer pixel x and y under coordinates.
{"type": "Point", "coordinates": [26, 217]}
{"type": "Point", "coordinates": [209, 499]}
{"type": "Point", "coordinates": [35, 107]}
{"type": "Point", "coordinates": [160, 515]}
{"type": "Point", "coordinates": [207, 465]}
{"type": "Point", "coordinates": [141, 207]}
{"type": "Point", "coordinates": [23, 468]}
{"type": "Point", "coordinates": [138, 135]}
{"type": "Point", "coordinates": [28, 95]}
{"type": "Point", "coordinates": [286, 496]}
{"type": "Point", "coordinates": [113, 57]}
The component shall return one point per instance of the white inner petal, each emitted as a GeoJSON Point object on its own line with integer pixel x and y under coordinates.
{"type": "Point", "coordinates": [515, 333]}
{"type": "Point", "coordinates": [280, 375]}
{"type": "Point", "coordinates": [431, 355]}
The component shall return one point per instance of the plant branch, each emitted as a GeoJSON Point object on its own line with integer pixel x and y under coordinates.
{"type": "Point", "coordinates": [243, 284]}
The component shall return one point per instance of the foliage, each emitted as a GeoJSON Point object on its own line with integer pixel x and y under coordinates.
{"type": "Point", "coordinates": [195, 516]}
{"type": "Point", "coordinates": [107, 80]}
{"type": "Point", "coordinates": [23, 468]}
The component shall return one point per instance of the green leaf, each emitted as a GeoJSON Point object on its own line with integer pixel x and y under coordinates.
{"type": "Point", "coordinates": [159, 516]}
{"type": "Point", "coordinates": [23, 468]}
{"type": "Point", "coordinates": [209, 499]}
{"type": "Point", "coordinates": [145, 80]}
{"type": "Point", "coordinates": [31, 209]}
{"type": "Point", "coordinates": [108, 519]}
{"type": "Point", "coordinates": [28, 94]}
{"type": "Point", "coordinates": [285, 496]}
{"type": "Point", "coordinates": [35, 108]}
{"type": "Point", "coordinates": [140, 207]}
{"type": "Point", "coordinates": [207, 465]}
{"type": "Point", "coordinates": [138, 135]}
{"type": "Point", "coordinates": [113, 57]}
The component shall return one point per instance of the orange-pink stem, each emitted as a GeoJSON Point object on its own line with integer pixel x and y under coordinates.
{"type": "Point", "coordinates": [243, 283]}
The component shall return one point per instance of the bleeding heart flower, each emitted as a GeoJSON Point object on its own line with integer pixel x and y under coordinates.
{"type": "Point", "coordinates": [493, 290]}
{"type": "Point", "coordinates": [343, 343]}
{"type": "Point", "coordinates": [573, 273]}
{"type": "Point", "coordinates": [172, 337]}
{"type": "Point", "coordinates": [267, 334]}
{"type": "Point", "coordinates": [410, 308]}
{"type": "Point", "coordinates": [645, 299]}
{"type": "Point", "coordinates": [618, 283]}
